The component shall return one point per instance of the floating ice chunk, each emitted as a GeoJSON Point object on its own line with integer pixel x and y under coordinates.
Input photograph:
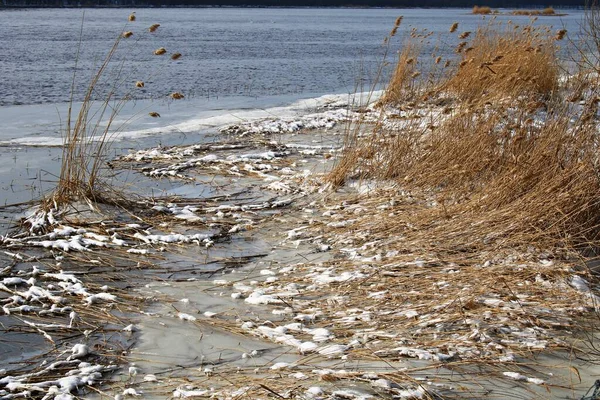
{"type": "Point", "coordinates": [324, 247]}
{"type": "Point", "coordinates": [172, 238]}
{"type": "Point", "coordinates": [150, 378]}
{"type": "Point", "coordinates": [326, 277]}
{"type": "Point", "coordinates": [579, 283]}
{"type": "Point", "coordinates": [209, 314]}
{"type": "Point", "coordinates": [131, 392]}
{"type": "Point", "coordinates": [332, 350]}
{"type": "Point", "coordinates": [185, 392]}
{"type": "Point", "coordinates": [69, 384]}
{"type": "Point", "coordinates": [63, 277]}
{"type": "Point", "coordinates": [98, 297]}
{"type": "Point", "coordinates": [314, 391]}
{"type": "Point", "coordinates": [280, 365]}
{"type": "Point", "coordinates": [319, 334]}
{"type": "Point", "coordinates": [236, 228]}
{"type": "Point", "coordinates": [382, 383]}
{"type": "Point", "coordinates": [186, 317]}
{"type": "Point", "coordinates": [352, 394]}
{"type": "Point", "coordinates": [417, 393]}
{"type": "Point", "coordinates": [236, 295]}
{"type": "Point", "coordinates": [307, 317]}
{"type": "Point", "coordinates": [288, 340]}
{"type": "Point", "coordinates": [518, 377]}
{"type": "Point", "coordinates": [258, 297]}
{"type": "Point", "coordinates": [307, 347]}
{"type": "Point", "coordinates": [248, 325]}
{"type": "Point", "coordinates": [409, 313]}
{"type": "Point", "coordinates": [298, 376]}
{"type": "Point", "coordinates": [138, 251]}
{"type": "Point", "coordinates": [14, 281]}
{"type": "Point", "coordinates": [61, 244]}
{"type": "Point", "coordinates": [79, 351]}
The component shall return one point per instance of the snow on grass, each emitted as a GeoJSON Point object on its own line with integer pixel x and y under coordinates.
{"type": "Point", "coordinates": [518, 377]}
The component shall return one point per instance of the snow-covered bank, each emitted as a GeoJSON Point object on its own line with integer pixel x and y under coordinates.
{"type": "Point", "coordinates": [282, 283]}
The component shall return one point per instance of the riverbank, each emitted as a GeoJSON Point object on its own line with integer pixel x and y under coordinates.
{"type": "Point", "coordinates": [435, 241]}
{"type": "Point", "coordinates": [261, 281]}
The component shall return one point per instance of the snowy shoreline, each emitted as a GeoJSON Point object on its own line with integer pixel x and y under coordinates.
{"type": "Point", "coordinates": [298, 295]}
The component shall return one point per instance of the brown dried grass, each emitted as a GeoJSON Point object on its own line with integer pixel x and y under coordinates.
{"type": "Point", "coordinates": [90, 130]}
{"type": "Point", "coordinates": [506, 62]}
{"type": "Point", "coordinates": [403, 85]}
{"type": "Point", "coordinates": [482, 10]}
{"type": "Point", "coordinates": [503, 179]}
{"type": "Point", "coordinates": [545, 11]}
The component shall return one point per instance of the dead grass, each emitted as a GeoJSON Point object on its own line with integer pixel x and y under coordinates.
{"type": "Point", "coordinates": [89, 131]}
{"type": "Point", "coordinates": [403, 85]}
{"type": "Point", "coordinates": [482, 10]}
{"type": "Point", "coordinates": [509, 163]}
{"type": "Point", "coordinates": [545, 11]}
{"type": "Point", "coordinates": [505, 62]}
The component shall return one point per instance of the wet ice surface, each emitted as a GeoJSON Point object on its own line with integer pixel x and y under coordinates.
{"type": "Point", "coordinates": [231, 289]}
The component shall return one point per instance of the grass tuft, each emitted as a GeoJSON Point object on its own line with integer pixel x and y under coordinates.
{"type": "Point", "coordinates": [502, 63]}
{"type": "Point", "coordinates": [493, 149]}
{"type": "Point", "coordinates": [481, 10]}
{"type": "Point", "coordinates": [89, 132]}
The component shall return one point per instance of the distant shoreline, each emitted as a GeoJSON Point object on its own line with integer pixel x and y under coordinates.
{"type": "Point", "coordinates": [267, 4]}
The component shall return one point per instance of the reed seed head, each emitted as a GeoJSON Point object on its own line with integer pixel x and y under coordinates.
{"type": "Point", "coordinates": [154, 114]}
{"type": "Point", "coordinates": [127, 34]}
{"type": "Point", "coordinates": [464, 35]}
{"type": "Point", "coordinates": [177, 96]}
{"type": "Point", "coordinates": [139, 84]}
{"type": "Point", "coordinates": [132, 17]}
{"type": "Point", "coordinates": [454, 27]}
{"type": "Point", "coordinates": [153, 27]}
{"type": "Point", "coordinates": [438, 59]}
{"type": "Point", "coordinates": [398, 21]}
{"type": "Point", "coordinates": [175, 56]}
{"type": "Point", "coordinates": [560, 34]}
{"type": "Point", "coordinates": [160, 51]}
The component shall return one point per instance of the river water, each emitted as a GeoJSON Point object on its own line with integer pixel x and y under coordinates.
{"type": "Point", "coordinates": [237, 64]}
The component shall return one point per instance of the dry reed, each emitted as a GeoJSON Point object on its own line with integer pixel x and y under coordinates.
{"type": "Point", "coordinates": [545, 11]}
{"type": "Point", "coordinates": [528, 65]}
{"type": "Point", "coordinates": [88, 133]}
{"type": "Point", "coordinates": [481, 10]}
{"type": "Point", "coordinates": [502, 178]}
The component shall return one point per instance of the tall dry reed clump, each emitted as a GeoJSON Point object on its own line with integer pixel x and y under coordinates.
{"type": "Point", "coordinates": [504, 62]}
{"type": "Point", "coordinates": [89, 131]}
{"type": "Point", "coordinates": [502, 158]}
{"type": "Point", "coordinates": [545, 11]}
{"type": "Point", "coordinates": [482, 10]}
